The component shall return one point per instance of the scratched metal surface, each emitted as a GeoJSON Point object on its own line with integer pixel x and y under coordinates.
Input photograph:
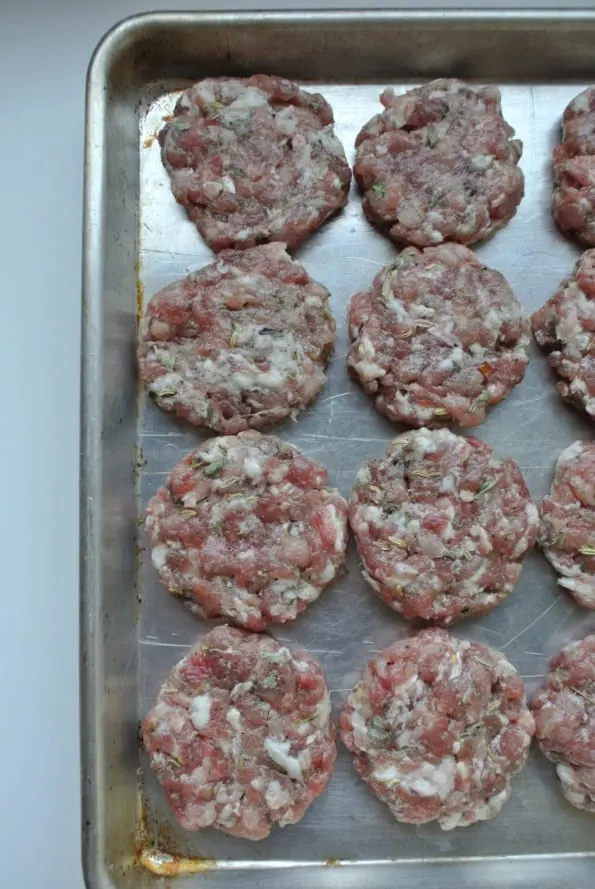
{"type": "Point", "coordinates": [348, 624]}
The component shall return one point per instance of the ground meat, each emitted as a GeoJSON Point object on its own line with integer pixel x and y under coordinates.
{"type": "Point", "coordinates": [567, 534]}
{"type": "Point", "coordinates": [438, 337]}
{"type": "Point", "coordinates": [254, 160]}
{"type": "Point", "coordinates": [574, 169]}
{"type": "Point", "coordinates": [243, 342]}
{"type": "Point", "coordinates": [240, 737]}
{"type": "Point", "coordinates": [246, 528]}
{"type": "Point", "coordinates": [437, 728]}
{"type": "Point", "coordinates": [442, 525]}
{"type": "Point", "coordinates": [564, 713]}
{"type": "Point", "coordinates": [565, 328]}
{"type": "Point", "coordinates": [439, 164]}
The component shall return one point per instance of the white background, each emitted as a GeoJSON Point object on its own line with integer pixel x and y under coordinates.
{"type": "Point", "coordinates": [44, 51]}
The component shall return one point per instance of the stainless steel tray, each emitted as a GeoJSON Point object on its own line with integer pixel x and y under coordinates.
{"type": "Point", "coordinates": [136, 240]}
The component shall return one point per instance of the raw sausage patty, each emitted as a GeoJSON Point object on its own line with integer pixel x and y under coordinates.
{"type": "Point", "coordinates": [246, 528]}
{"type": "Point", "coordinates": [574, 169]}
{"type": "Point", "coordinates": [442, 525]}
{"type": "Point", "coordinates": [439, 164]}
{"type": "Point", "coordinates": [240, 737]}
{"type": "Point", "coordinates": [564, 327]}
{"type": "Point", "coordinates": [243, 342]}
{"type": "Point", "coordinates": [567, 534]}
{"type": "Point", "coordinates": [438, 337]}
{"type": "Point", "coordinates": [437, 728]}
{"type": "Point", "coordinates": [254, 160]}
{"type": "Point", "coordinates": [564, 711]}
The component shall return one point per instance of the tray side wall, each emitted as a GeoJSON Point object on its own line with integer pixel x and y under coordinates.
{"type": "Point", "coordinates": [108, 472]}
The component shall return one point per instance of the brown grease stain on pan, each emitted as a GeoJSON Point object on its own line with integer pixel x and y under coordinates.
{"type": "Point", "coordinates": [165, 865]}
{"type": "Point", "coordinates": [149, 856]}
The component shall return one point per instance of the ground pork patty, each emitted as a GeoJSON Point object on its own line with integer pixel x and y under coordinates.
{"type": "Point", "coordinates": [441, 525]}
{"type": "Point", "coordinates": [574, 169]}
{"type": "Point", "coordinates": [567, 534]}
{"type": "Point", "coordinates": [244, 341]}
{"type": "Point", "coordinates": [246, 528]}
{"type": "Point", "coordinates": [439, 164]}
{"type": "Point", "coordinates": [254, 160]}
{"type": "Point", "coordinates": [564, 711]}
{"type": "Point", "coordinates": [437, 337]}
{"type": "Point", "coordinates": [565, 328]}
{"type": "Point", "coordinates": [437, 727]}
{"type": "Point", "coordinates": [240, 737]}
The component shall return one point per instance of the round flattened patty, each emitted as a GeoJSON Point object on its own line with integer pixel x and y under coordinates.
{"type": "Point", "coordinates": [246, 528]}
{"type": "Point", "coordinates": [442, 525]}
{"type": "Point", "coordinates": [243, 342]}
{"type": "Point", "coordinates": [254, 160]}
{"type": "Point", "coordinates": [564, 711]}
{"type": "Point", "coordinates": [438, 337]}
{"type": "Point", "coordinates": [574, 169]}
{"type": "Point", "coordinates": [437, 727]}
{"type": "Point", "coordinates": [567, 534]}
{"type": "Point", "coordinates": [439, 164]}
{"type": "Point", "coordinates": [240, 737]}
{"type": "Point", "coordinates": [565, 327]}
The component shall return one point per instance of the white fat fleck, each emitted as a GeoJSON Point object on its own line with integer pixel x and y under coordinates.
{"type": "Point", "coordinates": [388, 775]}
{"type": "Point", "coordinates": [403, 523]}
{"type": "Point", "coordinates": [240, 689]}
{"type": "Point", "coordinates": [283, 656]}
{"type": "Point", "coordinates": [167, 384]}
{"type": "Point", "coordinates": [279, 753]}
{"type": "Point", "coordinates": [326, 139]}
{"type": "Point", "coordinates": [430, 544]}
{"type": "Point", "coordinates": [228, 184]}
{"type": "Point", "coordinates": [571, 452]}
{"type": "Point", "coordinates": [584, 588]}
{"type": "Point", "coordinates": [200, 710]}
{"type": "Point", "coordinates": [227, 816]}
{"type": "Point", "coordinates": [339, 524]}
{"type": "Point", "coordinates": [373, 583]}
{"type": "Point", "coordinates": [431, 780]}
{"type": "Point", "coordinates": [581, 104]}
{"type": "Point", "coordinates": [455, 669]}
{"type": "Point", "coordinates": [276, 797]}
{"type": "Point", "coordinates": [234, 717]}
{"type": "Point", "coordinates": [369, 370]}
{"type": "Point", "coordinates": [372, 514]}
{"type": "Point", "coordinates": [323, 712]}
{"type": "Point", "coordinates": [456, 357]}
{"type": "Point", "coordinates": [327, 575]}
{"type": "Point", "coordinates": [358, 725]}
{"type": "Point", "coordinates": [482, 536]}
{"type": "Point", "coordinates": [249, 99]}
{"type": "Point", "coordinates": [285, 120]}
{"type": "Point", "coordinates": [253, 467]}
{"type": "Point", "coordinates": [448, 484]}
{"type": "Point", "coordinates": [482, 161]}
{"type": "Point", "coordinates": [365, 348]}
{"type": "Point", "coordinates": [159, 555]}
{"type": "Point", "coordinates": [364, 476]}
{"type": "Point", "coordinates": [292, 589]}
{"type": "Point", "coordinates": [424, 442]}
{"type": "Point", "coordinates": [258, 784]}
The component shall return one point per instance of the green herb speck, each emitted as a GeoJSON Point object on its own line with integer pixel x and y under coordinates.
{"type": "Point", "coordinates": [486, 486]}
{"type": "Point", "coordinates": [214, 468]}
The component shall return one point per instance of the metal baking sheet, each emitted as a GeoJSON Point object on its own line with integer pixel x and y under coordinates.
{"type": "Point", "coordinates": [132, 632]}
